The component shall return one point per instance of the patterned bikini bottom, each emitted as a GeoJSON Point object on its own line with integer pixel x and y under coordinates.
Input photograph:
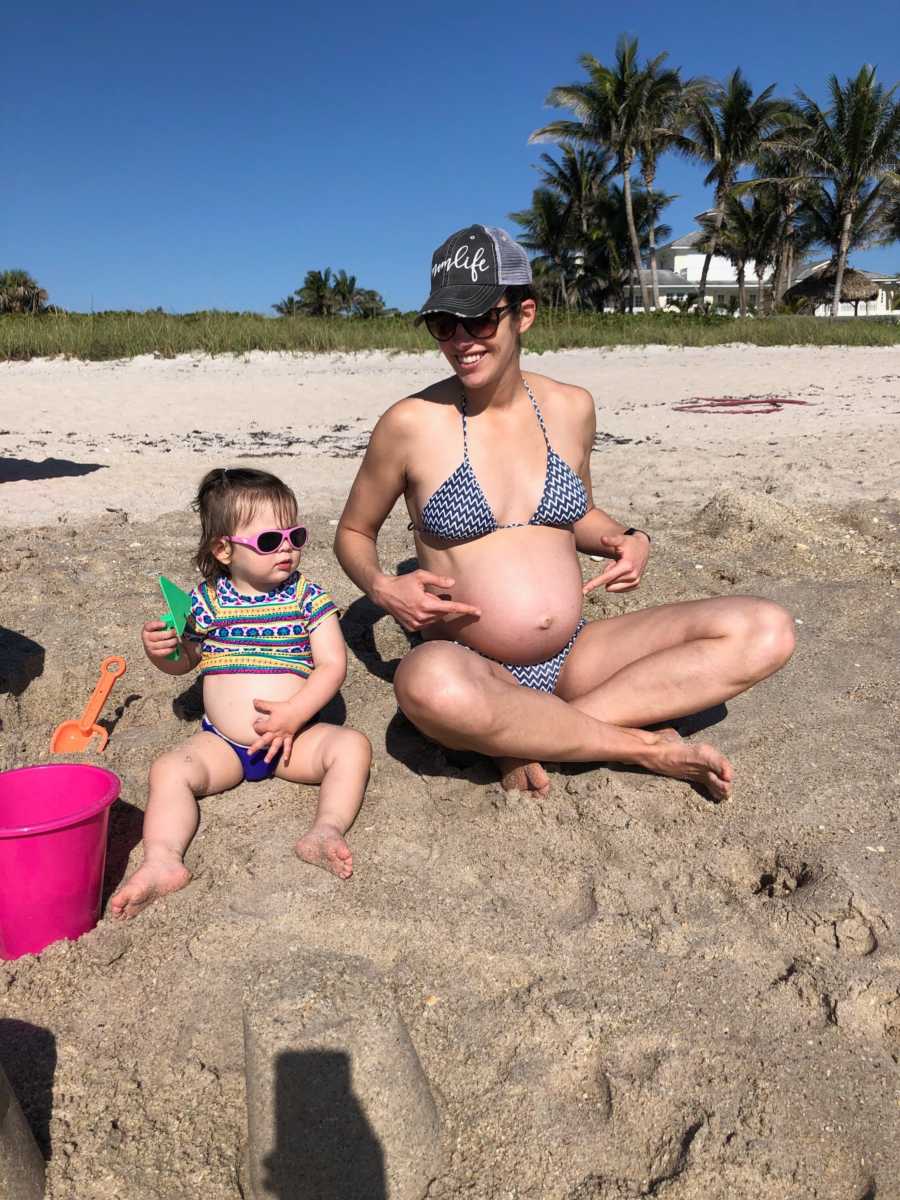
{"type": "Point", "coordinates": [542, 676]}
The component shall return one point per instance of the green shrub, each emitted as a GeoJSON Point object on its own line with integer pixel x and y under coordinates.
{"type": "Point", "coordinates": [124, 335]}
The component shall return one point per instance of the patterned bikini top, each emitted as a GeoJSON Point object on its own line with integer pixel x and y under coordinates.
{"type": "Point", "coordinates": [459, 510]}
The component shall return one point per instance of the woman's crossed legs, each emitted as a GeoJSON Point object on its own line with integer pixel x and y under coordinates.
{"type": "Point", "coordinates": [622, 673]}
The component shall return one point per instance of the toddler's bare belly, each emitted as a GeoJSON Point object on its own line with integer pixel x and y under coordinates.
{"type": "Point", "coordinates": [228, 700]}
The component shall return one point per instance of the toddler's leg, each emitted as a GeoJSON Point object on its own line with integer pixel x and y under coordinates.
{"type": "Point", "coordinates": [203, 766]}
{"type": "Point", "coordinates": [338, 759]}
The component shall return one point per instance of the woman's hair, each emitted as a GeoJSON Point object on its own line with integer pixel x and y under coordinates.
{"type": "Point", "coordinates": [515, 294]}
{"type": "Point", "coordinates": [228, 498]}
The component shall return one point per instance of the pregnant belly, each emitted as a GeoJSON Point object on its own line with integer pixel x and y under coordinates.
{"type": "Point", "coordinates": [228, 700]}
{"type": "Point", "coordinates": [527, 583]}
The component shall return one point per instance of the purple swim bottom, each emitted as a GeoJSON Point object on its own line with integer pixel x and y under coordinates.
{"type": "Point", "coordinates": [255, 766]}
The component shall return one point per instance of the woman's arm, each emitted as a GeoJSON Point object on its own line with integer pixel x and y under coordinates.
{"type": "Point", "coordinates": [380, 482]}
{"type": "Point", "coordinates": [599, 533]}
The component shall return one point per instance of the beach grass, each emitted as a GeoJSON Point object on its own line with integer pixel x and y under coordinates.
{"type": "Point", "coordinates": [95, 337]}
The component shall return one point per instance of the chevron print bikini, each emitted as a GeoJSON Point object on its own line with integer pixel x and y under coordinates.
{"type": "Point", "coordinates": [459, 511]}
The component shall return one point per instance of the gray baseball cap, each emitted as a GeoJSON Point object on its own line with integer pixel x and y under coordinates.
{"type": "Point", "coordinates": [472, 269]}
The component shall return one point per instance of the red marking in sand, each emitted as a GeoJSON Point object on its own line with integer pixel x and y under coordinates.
{"type": "Point", "coordinates": [742, 405]}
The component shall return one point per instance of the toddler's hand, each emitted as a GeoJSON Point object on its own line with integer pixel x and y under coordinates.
{"type": "Point", "coordinates": [158, 641]}
{"type": "Point", "coordinates": [275, 729]}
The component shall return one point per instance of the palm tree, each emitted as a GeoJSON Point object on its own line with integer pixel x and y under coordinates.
{"type": "Point", "coordinates": [290, 306]}
{"type": "Point", "coordinates": [609, 271]}
{"type": "Point", "coordinates": [578, 178]}
{"type": "Point", "coordinates": [891, 216]}
{"type": "Point", "coordinates": [766, 230]}
{"type": "Point", "coordinates": [664, 113]}
{"type": "Point", "coordinates": [733, 237]}
{"type": "Point", "coordinates": [548, 226]}
{"type": "Point", "coordinates": [370, 304]}
{"type": "Point", "coordinates": [852, 148]}
{"type": "Point", "coordinates": [19, 293]}
{"type": "Point", "coordinates": [781, 171]}
{"type": "Point", "coordinates": [727, 130]}
{"type": "Point", "coordinates": [345, 291]}
{"type": "Point", "coordinates": [317, 296]}
{"type": "Point", "coordinates": [820, 221]}
{"type": "Point", "coordinates": [608, 112]}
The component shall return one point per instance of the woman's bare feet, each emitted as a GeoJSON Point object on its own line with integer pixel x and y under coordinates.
{"type": "Point", "coordinates": [524, 776]}
{"type": "Point", "coordinates": [153, 879]}
{"type": "Point", "coordinates": [701, 764]}
{"type": "Point", "coordinates": [324, 846]}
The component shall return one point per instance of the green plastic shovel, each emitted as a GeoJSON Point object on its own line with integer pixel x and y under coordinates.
{"type": "Point", "coordinates": [179, 603]}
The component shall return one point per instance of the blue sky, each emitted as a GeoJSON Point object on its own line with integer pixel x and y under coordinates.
{"type": "Point", "coordinates": [202, 155]}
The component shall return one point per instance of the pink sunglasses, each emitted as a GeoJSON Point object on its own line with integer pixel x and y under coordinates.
{"type": "Point", "coordinates": [271, 540]}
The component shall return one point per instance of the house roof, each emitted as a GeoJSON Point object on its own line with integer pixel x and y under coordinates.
{"type": "Point", "coordinates": [666, 278]}
{"type": "Point", "coordinates": [822, 268]}
{"type": "Point", "coordinates": [687, 241]}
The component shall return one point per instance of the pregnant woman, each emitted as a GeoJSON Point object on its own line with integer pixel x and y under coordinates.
{"type": "Point", "coordinates": [493, 464]}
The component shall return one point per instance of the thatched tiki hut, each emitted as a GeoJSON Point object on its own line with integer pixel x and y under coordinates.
{"type": "Point", "coordinates": [818, 288]}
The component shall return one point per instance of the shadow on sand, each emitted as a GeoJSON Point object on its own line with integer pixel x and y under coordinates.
{"type": "Point", "coordinates": [13, 470]}
{"type": "Point", "coordinates": [28, 1056]}
{"type": "Point", "coordinates": [21, 661]}
{"type": "Point", "coordinates": [358, 626]}
{"type": "Point", "coordinates": [325, 1148]}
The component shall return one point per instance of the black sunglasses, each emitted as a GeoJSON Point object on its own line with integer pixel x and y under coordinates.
{"type": "Point", "coordinates": [442, 325]}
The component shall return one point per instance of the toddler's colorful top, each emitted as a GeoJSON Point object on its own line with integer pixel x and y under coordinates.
{"type": "Point", "coordinates": [267, 633]}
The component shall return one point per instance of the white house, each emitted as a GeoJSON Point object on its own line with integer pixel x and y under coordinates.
{"type": "Point", "coordinates": [680, 265]}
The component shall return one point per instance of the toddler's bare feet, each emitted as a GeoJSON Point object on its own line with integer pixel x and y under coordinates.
{"type": "Point", "coordinates": [150, 881]}
{"type": "Point", "coordinates": [700, 763]}
{"type": "Point", "coordinates": [324, 846]}
{"type": "Point", "coordinates": [523, 775]}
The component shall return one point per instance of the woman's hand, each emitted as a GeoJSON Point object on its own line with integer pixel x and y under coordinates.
{"type": "Point", "coordinates": [275, 729]}
{"type": "Point", "coordinates": [406, 599]}
{"type": "Point", "coordinates": [629, 553]}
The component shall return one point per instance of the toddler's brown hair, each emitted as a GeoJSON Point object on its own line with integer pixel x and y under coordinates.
{"type": "Point", "coordinates": [226, 499]}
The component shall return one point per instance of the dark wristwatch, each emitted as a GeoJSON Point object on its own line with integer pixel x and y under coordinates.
{"type": "Point", "coordinates": [631, 530]}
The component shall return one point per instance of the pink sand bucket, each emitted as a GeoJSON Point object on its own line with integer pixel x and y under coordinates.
{"type": "Point", "coordinates": [53, 823]}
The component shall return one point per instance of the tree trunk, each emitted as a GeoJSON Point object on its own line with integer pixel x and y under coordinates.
{"type": "Point", "coordinates": [789, 273]}
{"type": "Point", "coordinates": [786, 259]}
{"type": "Point", "coordinates": [778, 284]}
{"type": "Point", "coordinates": [649, 180]}
{"type": "Point", "coordinates": [842, 259]}
{"type": "Point", "coordinates": [718, 218]}
{"type": "Point", "coordinates": [633, 237]}
{"type": "Point", "coordinates": [742, 291]}
{"type": "Point", "coordinates": [760, 290]}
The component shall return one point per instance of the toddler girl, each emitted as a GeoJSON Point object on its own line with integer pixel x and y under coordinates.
{"type": "Point", "coordinates": [257, 625]}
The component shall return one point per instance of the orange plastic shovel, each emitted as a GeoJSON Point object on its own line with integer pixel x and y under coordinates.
{"type": "Point", "coordinates": [74, 736]}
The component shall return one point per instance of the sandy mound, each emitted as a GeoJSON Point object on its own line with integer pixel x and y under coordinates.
{"type": "Point", "coordinates": [620, 991]}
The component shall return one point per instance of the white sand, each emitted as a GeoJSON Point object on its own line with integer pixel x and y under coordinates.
{"type": "Point", "coordinates": [154, 426]}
